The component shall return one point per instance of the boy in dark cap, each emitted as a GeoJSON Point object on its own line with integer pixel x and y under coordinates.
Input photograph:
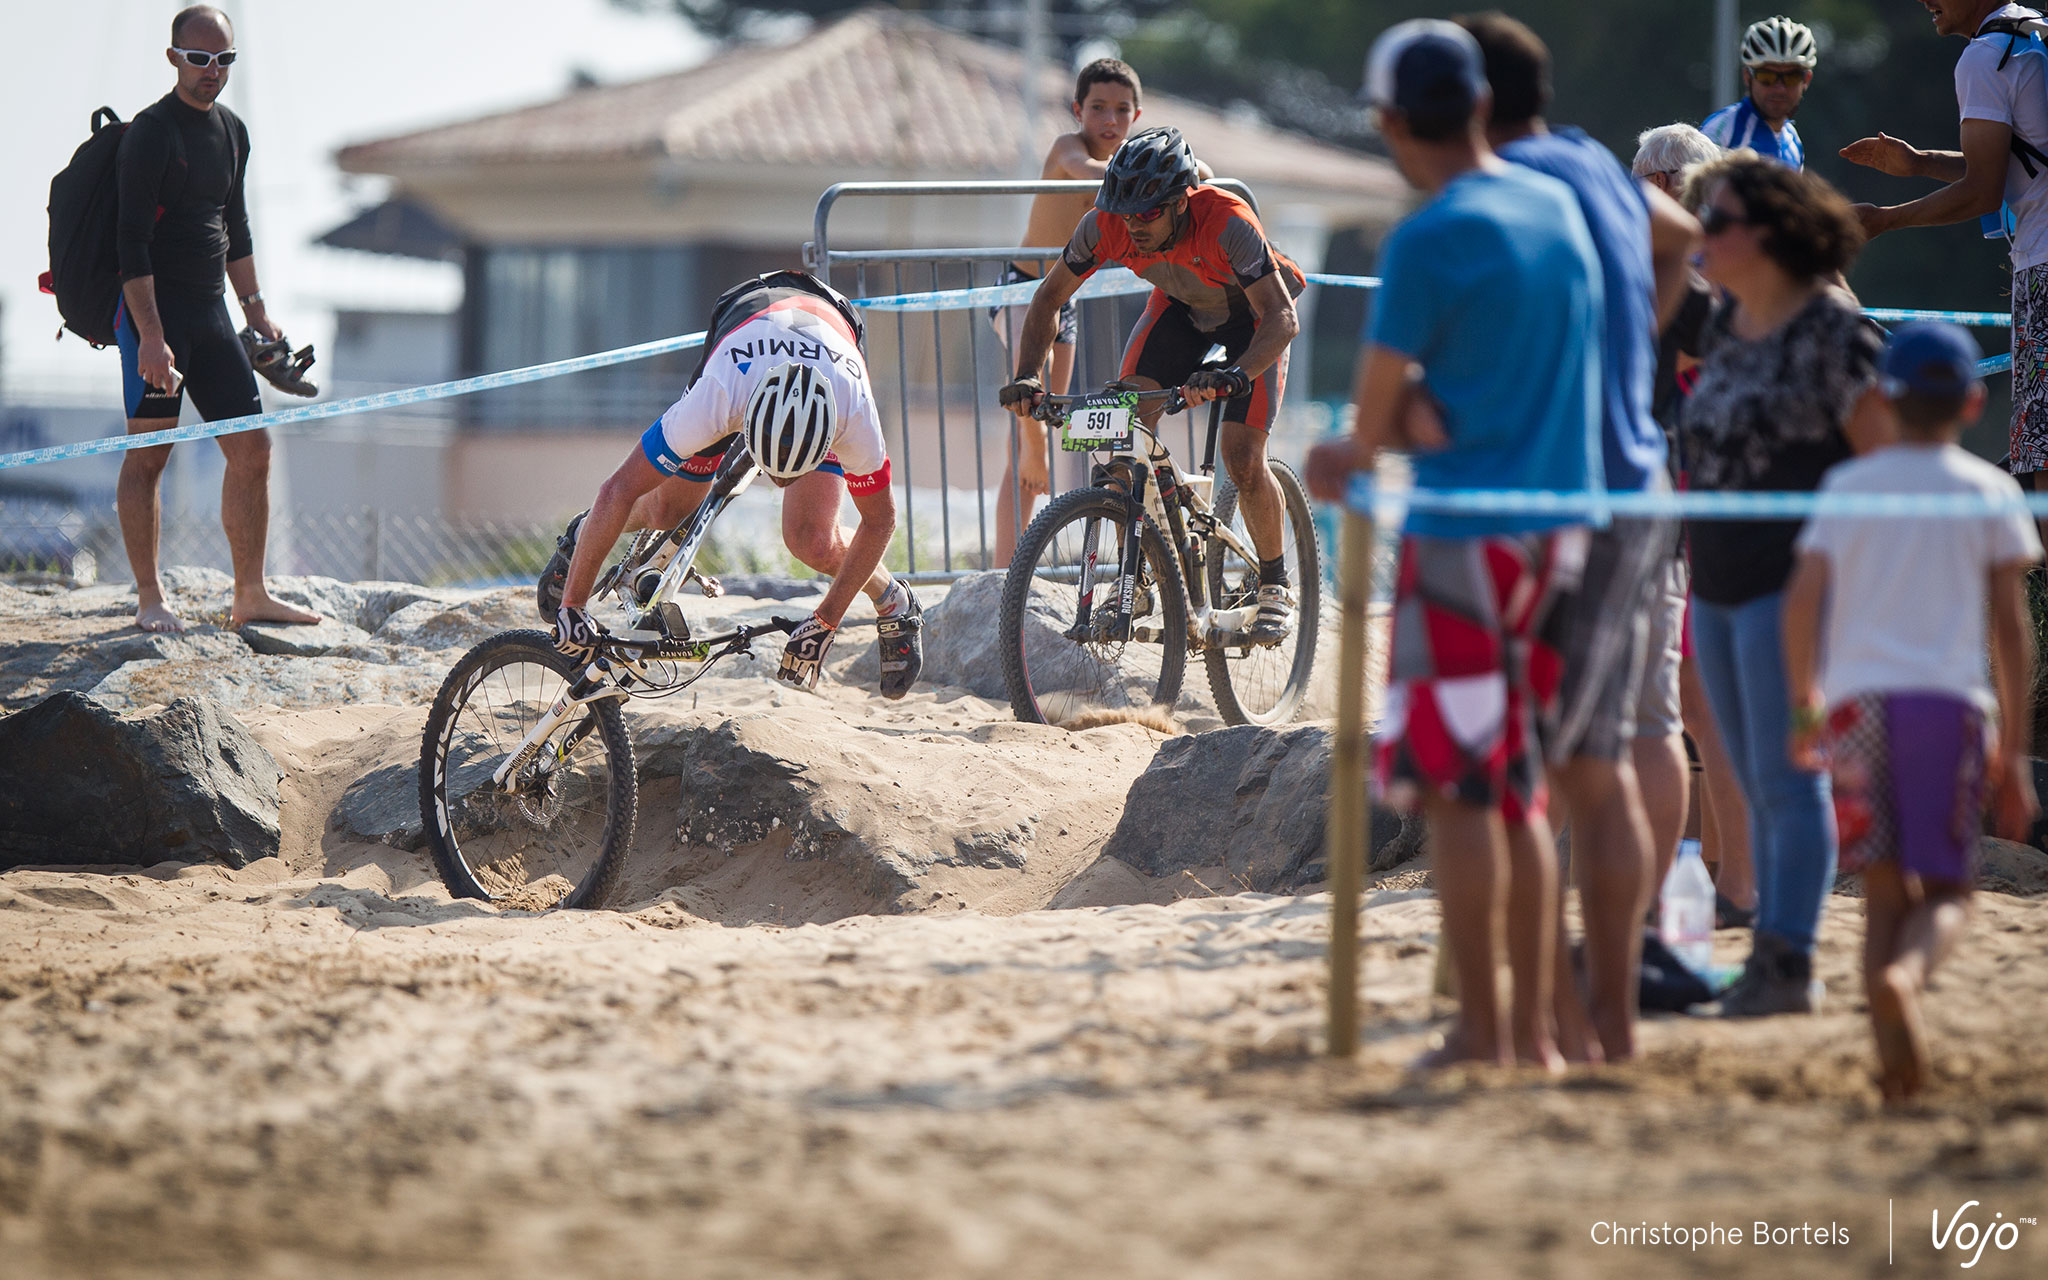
{"type": "Point", "coordinates": [1884, 656]}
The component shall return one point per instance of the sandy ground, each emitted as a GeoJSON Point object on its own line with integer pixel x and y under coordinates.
{"type": "Point", "coordinates": [322, 1066]}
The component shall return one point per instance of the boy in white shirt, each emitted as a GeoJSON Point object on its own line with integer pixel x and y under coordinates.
{"type": "Point", "coordinates": [1889, 613]}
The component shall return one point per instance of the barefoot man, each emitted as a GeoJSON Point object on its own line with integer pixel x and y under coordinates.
{"type": "Point", "coordinates": [183, 220]}
{"type": "Point", "coordinates": [1483, 357]}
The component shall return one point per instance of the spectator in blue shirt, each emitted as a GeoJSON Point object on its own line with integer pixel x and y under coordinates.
{"type": "Point", "coordinates": [1778, 58]}
{"type": "Point", "coordinates": [1483, 357]}
{"type": "Point", "coordinates": [1618, 755]}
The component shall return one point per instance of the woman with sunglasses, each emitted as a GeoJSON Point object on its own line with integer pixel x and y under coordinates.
{"type": "Point", "coordinates": [1778, 58]}
{"type": "Point", "coordinates": [1787, 389]}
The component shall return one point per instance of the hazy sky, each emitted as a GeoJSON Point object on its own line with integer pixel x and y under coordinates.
{"type": "Point", "coordinates": [313, 75]}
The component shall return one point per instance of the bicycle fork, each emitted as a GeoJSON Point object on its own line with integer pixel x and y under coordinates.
{"type": "Point", "coordinates": [1130, 562]}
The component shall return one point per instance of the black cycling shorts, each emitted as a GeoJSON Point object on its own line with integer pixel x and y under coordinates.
{"type": "Point", "coordinates": [1166, 347]}
{"type": "Point", "coordinates": [207, 351]}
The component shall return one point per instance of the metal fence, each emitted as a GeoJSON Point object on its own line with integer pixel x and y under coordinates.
{"type": "Point", "coordinates": [941, 369]}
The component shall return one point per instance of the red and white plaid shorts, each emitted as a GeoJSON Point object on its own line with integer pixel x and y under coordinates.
{"type": "Point", "coordinates": [1472, 673]}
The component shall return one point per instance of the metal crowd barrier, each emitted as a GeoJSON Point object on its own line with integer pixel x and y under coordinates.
{"type": "Point", "coordinates": [967, 360]}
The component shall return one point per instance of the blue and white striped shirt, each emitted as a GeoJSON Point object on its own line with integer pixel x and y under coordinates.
{"type": "Point", "coordinates": [1740, 126]}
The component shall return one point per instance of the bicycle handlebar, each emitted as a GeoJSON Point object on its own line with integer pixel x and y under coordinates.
{"type": "Point", "coordinates": [1052, 408]}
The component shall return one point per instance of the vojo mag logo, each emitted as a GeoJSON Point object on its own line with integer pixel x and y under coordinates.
{"type": "Point", "coordinates": [1965, 1235]}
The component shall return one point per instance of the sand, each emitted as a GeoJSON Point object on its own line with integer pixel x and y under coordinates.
{"type": "Point", "coordinates": [321, 1065]}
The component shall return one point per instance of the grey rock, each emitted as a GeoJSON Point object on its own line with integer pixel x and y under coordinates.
{"type": "Point", "coordinates": [1250, 800]}
{"type": "Point", "coordinates": [769, 586]}
{"type": "Point", "coordinates": [383, 807]}
{"type": "Point", "coordinates": [301, 641]}
{"type": "Point", "coordinates": [379, 600]}
{"type": "Point", "coordinates": [264, 680]}
{"type": "Point", "coordinates": [963, 645]}
{"type": "Point", "coordinates": [435, 624]}
{"type": "Point", "coordinates": [80, 785]}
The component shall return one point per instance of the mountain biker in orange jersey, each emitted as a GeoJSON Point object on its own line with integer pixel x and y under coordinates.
{"type": "Point", "coordinates": [1216, 281]}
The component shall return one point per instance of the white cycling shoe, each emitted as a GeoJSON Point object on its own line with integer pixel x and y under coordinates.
{"type": "Point", "coordinates": [1275, 619]}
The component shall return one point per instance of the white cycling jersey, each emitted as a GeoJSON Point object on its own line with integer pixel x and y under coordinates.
{"type": "Point", "coordinates": [789, 324]}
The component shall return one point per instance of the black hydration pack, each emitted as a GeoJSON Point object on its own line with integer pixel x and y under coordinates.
{"type": "Point", "coordinates": [722, 311]}
{"type": "Point", "coordinates": [85, 266]}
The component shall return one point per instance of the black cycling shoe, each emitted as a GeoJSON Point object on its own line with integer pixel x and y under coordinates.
{"type": "Point", "coordinates": [901, 641]}
{"type": "Point", "coordinates": [547, 593]}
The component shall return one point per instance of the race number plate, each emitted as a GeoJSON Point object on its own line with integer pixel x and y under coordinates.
{"type": "Point", "coordinates": [1100, 422]}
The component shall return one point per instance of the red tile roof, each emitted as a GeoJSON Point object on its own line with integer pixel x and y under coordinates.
{"type": "Point", "coordinates": [876, 90]}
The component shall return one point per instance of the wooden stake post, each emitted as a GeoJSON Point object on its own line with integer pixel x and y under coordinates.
{"type": "Point", "coordinates": [1349, 825]}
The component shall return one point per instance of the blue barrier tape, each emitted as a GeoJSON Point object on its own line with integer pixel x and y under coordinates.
{"type": "Point", "coordinates": [1975, 319]}
{"type": "Point", "coordinates": [1103, 284]}
{"type": "Point", "coordinates": [359, 404]}
{"type": "Point", "coordinates": [1366, 498]}
{"type": "Point", "coordinates": [1114, 282]}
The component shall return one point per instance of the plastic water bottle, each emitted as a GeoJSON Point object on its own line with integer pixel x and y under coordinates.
{"type": "Point", "coordinates": [1686, 910]}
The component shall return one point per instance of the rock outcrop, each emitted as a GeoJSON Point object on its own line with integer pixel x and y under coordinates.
{"type": "Point", "coordinates": [1249, 800]}
{"type": "Point", "coordinates": [80, 785]}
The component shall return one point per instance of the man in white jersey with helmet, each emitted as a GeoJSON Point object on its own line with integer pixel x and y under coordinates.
{"type": "Point", "coordinates": [784, 368]}
{"type": "Point", "coordinates": [1778, 57]}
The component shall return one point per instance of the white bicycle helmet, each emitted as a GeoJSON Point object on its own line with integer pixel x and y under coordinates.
{"type": "Point", "coordinates": [790, 420]}
{"type": "Point", "coordinates": [1778, 42]}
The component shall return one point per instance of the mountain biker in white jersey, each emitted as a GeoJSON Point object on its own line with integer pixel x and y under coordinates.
{"type": "Point", "coordinates": [784, 366]}
{"type": "Point", "coordinates": [1778, 58]}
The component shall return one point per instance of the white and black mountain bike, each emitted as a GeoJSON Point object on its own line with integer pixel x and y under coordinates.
{"type": "Point", "coordinates": [527, 785]}
{"type": "Point", "coordinates": [1114, 585]}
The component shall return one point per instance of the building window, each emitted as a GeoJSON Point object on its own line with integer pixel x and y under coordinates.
{"type": "Point", "coordinates": [532, 304]}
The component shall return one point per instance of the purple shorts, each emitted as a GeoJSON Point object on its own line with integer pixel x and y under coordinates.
{"type": "Point", "coordinates": [1909, 782]}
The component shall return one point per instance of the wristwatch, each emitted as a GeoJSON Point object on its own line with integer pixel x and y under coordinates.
{"type": "Point", "coordinates": [249, 300]}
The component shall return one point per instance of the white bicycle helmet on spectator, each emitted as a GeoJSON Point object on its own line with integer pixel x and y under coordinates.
{"type": "Point", "coordinates": [1779, 42]}
{"type": "Point", "coordinates": [790, 420]}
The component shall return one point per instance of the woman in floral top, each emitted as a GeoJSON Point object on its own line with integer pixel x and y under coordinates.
{"type": "Point", "coordinates": [1787, 390]}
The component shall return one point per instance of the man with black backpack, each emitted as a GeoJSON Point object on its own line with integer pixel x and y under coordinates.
{"type": "Point", "coordinates": [2000, 175]}
{"type": "Point", "coordinates": [182, 223]}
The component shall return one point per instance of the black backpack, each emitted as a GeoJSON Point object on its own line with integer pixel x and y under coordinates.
{"type": "Point", "coordinates": [85, 269]}
{"type": "Point", "coordinates": [85, 206]}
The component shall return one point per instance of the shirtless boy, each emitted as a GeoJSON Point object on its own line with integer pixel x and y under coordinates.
{"type": "Point", "coordinates": [1105, 106]}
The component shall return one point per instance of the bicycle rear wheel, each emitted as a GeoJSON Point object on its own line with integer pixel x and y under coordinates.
{"type": "Point", "coordinates": [556, 834]}
{"type": "Point", "coordinates": [1254, 684]}
{"type": "Point", "coordinates": [1062, 660]}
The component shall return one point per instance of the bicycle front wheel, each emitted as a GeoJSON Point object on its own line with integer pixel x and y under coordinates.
{"type": "Point", "coordinates": [556, 833]}
{"type": "Point", "coordinates": [1257, 684]}
{"type": "Point", "coordinates": [1079, 637]}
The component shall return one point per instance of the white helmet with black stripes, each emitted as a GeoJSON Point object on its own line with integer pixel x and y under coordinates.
{"type": "Point", "coordinates": [1778, 42]}
{"type": "Point", "coordinates": [790, 420]}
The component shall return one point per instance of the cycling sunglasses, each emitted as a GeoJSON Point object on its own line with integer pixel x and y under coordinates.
{"type": "Point", "coordinates": [203, 58]}
{"type": "Point", "coordinates": [1771, 79]}
{"type": "Point", "coordinates": [1150, 215]}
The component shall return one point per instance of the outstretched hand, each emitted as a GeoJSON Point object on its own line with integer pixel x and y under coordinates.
{"type": "Point", "coordinates": [1883, 153]}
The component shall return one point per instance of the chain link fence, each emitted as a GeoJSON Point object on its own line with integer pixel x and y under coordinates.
{"type": "Point", "coordinates": [367, 545]}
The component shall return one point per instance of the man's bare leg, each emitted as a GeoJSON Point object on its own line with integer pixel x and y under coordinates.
{"type": "Point", "coordinates": [1015, 502]}
{"type": "Point", "coordinates": [812, 532]}
{"type": "Point", "coordinates": [139, 504]}
{"type": "Point", "coordinates": [1664, 779]}
{"type": "Point", "coordinates": [1468, 853]}
{"type": "Point", "coordinates": [1724, 813]}
{"type": "Point", "coordinates": [1533, 920]}
{"type": "Point", "coordinates": [1258, 494]}
{"type": "Point", "coordinates": [1611, 863]}
{"type": "Point", "coordinates": [245, 517]}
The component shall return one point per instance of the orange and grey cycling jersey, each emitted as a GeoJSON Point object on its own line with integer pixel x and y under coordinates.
{"type": "Point", "coordinates": [1221, 252]}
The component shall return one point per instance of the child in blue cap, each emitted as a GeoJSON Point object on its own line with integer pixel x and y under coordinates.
{"type": "Point", "coordinates": [1885, 644]}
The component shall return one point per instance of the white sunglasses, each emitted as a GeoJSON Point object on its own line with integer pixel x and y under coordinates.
{"type": "Point", "coordinates": [203, 58]}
